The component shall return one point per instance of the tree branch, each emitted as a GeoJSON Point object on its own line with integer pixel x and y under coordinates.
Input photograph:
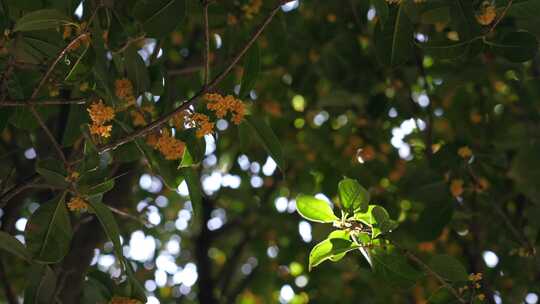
{"type": "Point", "coordinates": [23, 103]}
{"type": "Point", "coordinates": [165, 118]}
{"type": "Point", "coordinates": [430, 271]}
{"type": "Point", "coordinates": [206, 53]}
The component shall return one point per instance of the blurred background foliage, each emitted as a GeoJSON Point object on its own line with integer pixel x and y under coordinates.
{"type": "Point", "coordinates": [431, 105]}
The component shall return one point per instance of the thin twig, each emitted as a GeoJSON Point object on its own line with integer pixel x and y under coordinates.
{"type": "Point", "coordinates": [42, 82]}
{"type": "Point", "coordinates": [165, 118]}
{"type": "Point", "coordinates": [501, 16]}
{"type": "Point", "coordinates": [430, 271]}
{"type": "Point", "coordinates": [22, 103]}
{"type": "Point", "coordinates": [130, 216]}
{"type": "Point", "coordinates": [206, 53]}
{"type": "Point", "coordinates": [13, 191]}
{"type": "Point", "coordinates": [185, 71]}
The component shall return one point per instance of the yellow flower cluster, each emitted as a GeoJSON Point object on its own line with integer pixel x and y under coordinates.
{"type": "Point", "coordinates": [456, 187]}
{"type": "Point", "coordinates": [77, 204]}
{"type": "Point", "coordinates": [100, 114]}
{"type": "Point", "coordinates": [170, 147]}
{"type": "Point", "coordinates": [204, 126]}
{"type": "Point", "coordinates": [137, 118]}
{"type": "Point", "coordinates": [475, 277]}
{"type": "Point", "coordinates": [465, 152]}
{"type": "Point", "coordinates": [222, 105]}
{"type": "Point", "coordinates": [123, 300]}
{"type": "Point", "coordinates": [252, 9]}
{"type": "Point", "coordinates": [196, 120]}
{"type": "Point", "coordinates": [123, 89]}
{"type": "Point", "coordinates": [487, 13]}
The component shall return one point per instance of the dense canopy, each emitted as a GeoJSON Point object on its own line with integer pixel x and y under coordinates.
{"type": "Point", "coordinates": [250, 151]}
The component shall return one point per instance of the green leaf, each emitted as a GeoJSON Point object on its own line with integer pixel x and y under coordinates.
{"type": "Point", "coordinates": [52, 171]}
{"type": "Point", "coordinates": [433, 219]}
{"type": "Point", "coordinates": [377, 217]}
{"type": "Point", "coordinates": [525, 171]}
{"type": "Point", "coordinates": [393, 268]}
{"type": "Point", "coordinates": [394, 39]}
{"type": "Point", "coordinates": [40, 20]}
{"type": "Point", "coordinates": [136, 71]}
{"type": "Point", "coordinates": [136, 289]}
{"type": "Point", "coordinates": [524, 9]}
{"type": "Point", "coordinates": [268, 139]}
{"type": "Point", "coordinates": [109, 225]}
{"type": "Point", "coordinates": [448, 267]}
{"type": "Point", "coordinates": [96, 189]}
{"type": "Point", "coordinates": [12, 245]}
{"type": "Point", "coordinates": [159, 17]}
{"type": "Point", "coordinates": [463, 20]}
{"type": "Point", "coordinates": [194, 185]}
{"type": "Point", "coordinates": [517, 46]}
{"type": "Point", "coordinates": [48, 231]}
{"type": "Point", "coordinates": [329, 248]}
{"type": "Point", "coordinates": [449, 49]}
{"type": "Point", "coordinates": [381, 7]}
{"type": "Point", "coordinates": [314, 209]}
{"type": "Point", "coordinates": [40, 285]}
{"type": "Point", "coordinates": [352, 195]}
{"type": "Point", "coordinates": [436, 15]}
{"type": "Point", "coordinates": [251, 67]}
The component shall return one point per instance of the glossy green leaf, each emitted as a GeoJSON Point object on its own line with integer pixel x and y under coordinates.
{"type": "Point", "coordinates": [109, 225]}
{"type": "Point", "coordinates": [136, 70]}
{"type": "Point", "coordinates": [524, 9]}
{"type": "Point", "coordinates": [268, 139]}
{"type": "Point", "coordinates": [448, 267]}
{"type": "Point", "coordinates": [159, 17]}
{"type": "Point", "coordinates": [381, 7]}
{"type": "Point", "coordinates": [11, 245]}
{"type": "Point", "coordinates": [449, 49]}
{"type": "Point", "coordinates": [314, 209]}
{"type": "Point", "coordinates": [329, 248]}
{"type": "Point", "coordinates": [393, 40]}
{"type": "Point", "coordinates": [463, 19]}
{"type": "Point", "coordinates": [40, 285]}
{"type": "Point", "coordinates": [352, 195]}
{"type": "Point", "coordinates": [48, 231]}
{"type": "Point", "coordinates": [194, 185]}
{"type": "Point", "coordinates": [517, 46]}
{"type": "Point", "coordinates": [40, 20]}
{"type": "Point", "coordinates": [251, 67]}
{"type": "Point", "coordinates": [52, 171]}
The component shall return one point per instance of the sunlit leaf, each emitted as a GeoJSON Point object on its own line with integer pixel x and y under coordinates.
{"type": "Point", "coordinates": [315, 209]}
{"type": "Point", "coordinates": [352, 195]}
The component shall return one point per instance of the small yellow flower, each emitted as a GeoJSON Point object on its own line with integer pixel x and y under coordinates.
{"type": "Point", "coordinates": [84, 86]}
{"type": "Point", "coordinates": [204, 126]}
{"type": "Point", "coordinates": [331, 18]}
{"type": "Point", "coordinates": [137, 119]}
{"type": "Point", "coordinates": [101, 130]}
{"type": "Point", "coordinates": [73, 176]}
{"type": "Point", "coordinates": [456, 187]}
{"type": "Point", "coordinates": [231, 19]}
{"type": "Point", "coordinates": [465, 152]}
{"type": "Point", "coordinates": [475, 118]}
{"type": "Point", "coordinates": [481, 297]}
{"type": "Point", "coordinates": [252, 9]}
{"type": "Point", "coordinates": [123, 89]}
{"type": "Point", "coordinates": [487, 13]}
{"type": "Point", "coordinates": [77, 204]}
{"type": "Point", "coordinates": [67, 32]}
{"type": "Point", "coordinates": [222, 105]}
{"type": "Point", "coordinates": [176, 38]}
{"type": "Point", "coordinates": [482, 184]}
{"type": "Point", "coordinates": [123, 300]}
{"type": "Point", "coordinates": [170, 147]}
{"type": "Point", "coordinates": [100, 113]}
{"type": "Point", "coordinates": [475, 277]}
